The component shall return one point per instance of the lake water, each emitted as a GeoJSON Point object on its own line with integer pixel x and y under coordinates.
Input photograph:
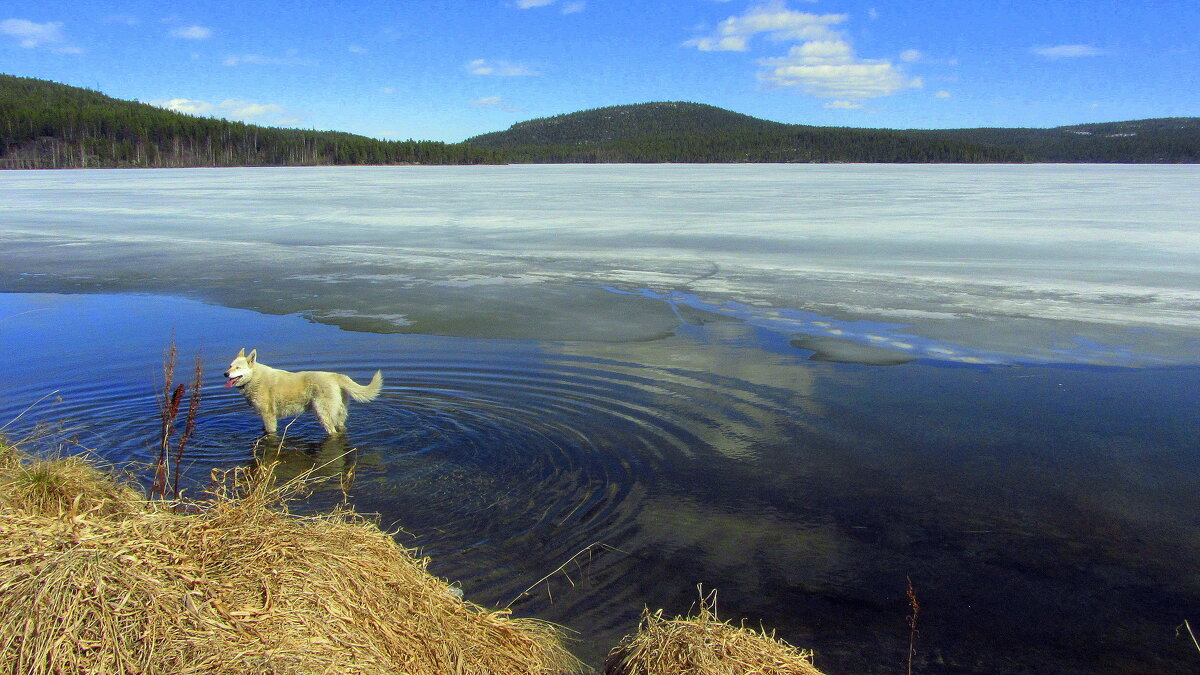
{"type": "Point", "coordinates": [798, 385]}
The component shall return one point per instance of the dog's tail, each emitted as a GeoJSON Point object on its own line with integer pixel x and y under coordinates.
{"type": "Point", "coordinates": [360, 393]}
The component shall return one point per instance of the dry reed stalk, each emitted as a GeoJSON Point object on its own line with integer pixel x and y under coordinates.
{"type": "Point", "coordinates": [586, 550]}
{"type": "Point", "coordinates": [189, 426]}
{"type": "Point", "coordinates": [1188, 626]}
{"type": "Point", "coordinates": [167, 421]}
{"type": "Point", "coordinates": [27, 409]}
{"type": "Point", "coordinates": [237, 585]}
{"type": "Point", "coordinates": [704, 645]}
{"type": "Point", "coordinates": [168, 465]}
{"type": "Point", "coordinates": [912, 623]}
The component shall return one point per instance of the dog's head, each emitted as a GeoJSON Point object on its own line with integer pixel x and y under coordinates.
{"type": "Point", "coordinates": [241, 369]}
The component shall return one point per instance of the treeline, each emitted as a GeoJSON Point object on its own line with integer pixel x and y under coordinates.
{"type": "Point", "coordinates": [47, 125]}
{"type": "Point", "coordinates": [625, 122]}
{"type": "Point", "coordinates": [1167, 140]}
{"type": "Point", "coordinates": [818, 146]}
{"type": "Point", "coordinates": [697, 133]}
{"type": "Point", "coordinates": [690, 132]}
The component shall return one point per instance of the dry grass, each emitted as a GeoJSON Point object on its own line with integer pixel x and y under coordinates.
{"type": "Point", "coordinates": [704, 645]}
{"type": "Point", "coordinates": [59, 487]}
{"type": "Point", "coordinates": [95, 579]}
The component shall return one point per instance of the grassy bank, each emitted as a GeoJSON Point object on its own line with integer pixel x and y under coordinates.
{"type": "Point", "coordinates": [96, 578]}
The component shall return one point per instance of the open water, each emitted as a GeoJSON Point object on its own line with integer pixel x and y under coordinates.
{"type": "Point", "coordinates": [801, 386]}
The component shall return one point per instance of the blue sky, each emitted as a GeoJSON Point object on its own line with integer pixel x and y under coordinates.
{"type": "Point", "coordinates": [443, 70]}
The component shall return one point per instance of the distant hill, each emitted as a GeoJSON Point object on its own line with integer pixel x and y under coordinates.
{"type": "Point", "coordinates": [50, 125]}
{"type": "Point", "coordinates": [1164, 140]}
{"type": "Point", "coordinates": [691, 132]}
{"type": "Point", "coordinates": [47, 125]}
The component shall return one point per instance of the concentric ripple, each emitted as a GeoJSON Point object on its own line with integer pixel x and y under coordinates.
{"type": "Point", "coordinates": [582, 482]}
{"type": "Point", "coordinates": [525, 464]}
{"type": "Point", "coordinates": [501, 460]}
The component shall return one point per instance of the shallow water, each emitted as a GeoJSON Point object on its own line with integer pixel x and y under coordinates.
{"type": "Point", "coordinates": [1047, 508]}
{"type": "Point", "coordinates": [554, 395]}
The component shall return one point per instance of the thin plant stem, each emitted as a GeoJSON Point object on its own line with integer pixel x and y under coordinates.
{"type": "Point", "coordinates": [190, 425]}
{"type": "Point", "coordinates": [1192, 635]}
{"type": "Point", "coordinates": [912, 623]}
{"type": "Point", "coordinates": [168, 464]}
{"type": "Point", "coordinates": [560, 568]}
{"type": "Point", "coordinates": [27, 409]}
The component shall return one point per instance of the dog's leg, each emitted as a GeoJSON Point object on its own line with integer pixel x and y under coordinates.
{"type": "Point", "coordinates": [342, 412]}
{"type": "Point", "coordinates": [270, 423]}
{"type": "Point", "coordinates": [331, 414]}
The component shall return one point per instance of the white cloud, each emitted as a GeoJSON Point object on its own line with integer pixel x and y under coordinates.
{"type": "Point", "coordinates": [731, 43]}
{"type": "Point", "coordinates": [776, 21]}
{"type": "Point", "coordinates": [290, 58]}
{"type": "Point", "coordinates": [30, 35]}
{"type": "Point", "coordinates": [231, 108]}
{"type": "Point", "coordinates": [1067, 51]}
{"type": "Point", "coordinates": [250, 109]}
{"type": "Point", "coordinates": [185, 105]}
{"type": "Point", "coordinates": [571, 7]}
{"type": "Point", "coordinates": [356, 49]}
{"type": "Point", "coordinates": [191, 33]}
{"type": "Point", "coordinates": [943, 94]}
{"type": "Point", "coordinates": [823, 64]}
{"type": "Point", "coordinates": [389, 90]}
{"type": "Point", "coordinates": [829, 69]}
{"type": "Point", "coordinates": [123, 19]}
{"type": "Point", "coordinates": [873, 13]}
{"type": "Point", "coordinates": [500, 68]}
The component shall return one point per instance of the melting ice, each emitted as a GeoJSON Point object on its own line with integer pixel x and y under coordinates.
{"type": "Point", "coordinates": [992, 264]}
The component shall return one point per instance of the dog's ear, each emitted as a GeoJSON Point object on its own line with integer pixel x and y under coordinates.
{"type": "Point", "coordinates": [241, 353]}
{"type": "Point", "coordinates": [253, 356]}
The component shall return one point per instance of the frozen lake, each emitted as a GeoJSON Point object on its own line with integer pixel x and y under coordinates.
{"type": "Point", "coordinates": [1006, 264]}
{"type": "Point", "coordinates": [798, 385]}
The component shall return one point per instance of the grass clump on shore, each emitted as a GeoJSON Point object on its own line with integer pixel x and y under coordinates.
{"type": "Point", "coordinates": [95, 578]}
{"type": "Point", "coordinates": [704, 645]}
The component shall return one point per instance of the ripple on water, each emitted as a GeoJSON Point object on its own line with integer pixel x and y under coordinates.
{"type": "Point", "coordinates": [500, 465]}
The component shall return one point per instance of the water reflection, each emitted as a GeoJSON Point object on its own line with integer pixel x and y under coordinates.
{"type": "Point", "coordinates": [1038, 511]}
{"type": "Point", "coordinates": [330, 461]}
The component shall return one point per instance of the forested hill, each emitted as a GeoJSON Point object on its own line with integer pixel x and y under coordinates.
{"type": "Point", "coordinates": [49, 125]}
{"type": "Point", "coordinates": [693, 132]}
{"type": "Point", "coordinates": [690, 132]}
{"type": "Point", "coordinates": [1167, 140]}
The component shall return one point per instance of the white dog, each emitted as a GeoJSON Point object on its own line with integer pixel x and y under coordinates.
{"type": "Point", "coordinates": [275, 393]}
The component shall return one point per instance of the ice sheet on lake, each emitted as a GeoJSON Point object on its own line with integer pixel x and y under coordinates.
{"type": "Point", "coordinates": [1088, 264]}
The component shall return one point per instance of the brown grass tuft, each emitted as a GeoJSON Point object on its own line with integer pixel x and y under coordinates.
{"type": "Point", "coordinates": [109, 582]}
{"type": "Point", "coordinates": [61, 487]}
{"type": "Point", "coordinates": [704, 645]}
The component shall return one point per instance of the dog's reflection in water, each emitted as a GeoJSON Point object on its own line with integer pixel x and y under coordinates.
{"type": "Point", "coordinates": [329, 462]}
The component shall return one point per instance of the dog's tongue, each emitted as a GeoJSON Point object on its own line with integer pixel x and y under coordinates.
{"type": "Point", "coordinates": [229, 383]}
